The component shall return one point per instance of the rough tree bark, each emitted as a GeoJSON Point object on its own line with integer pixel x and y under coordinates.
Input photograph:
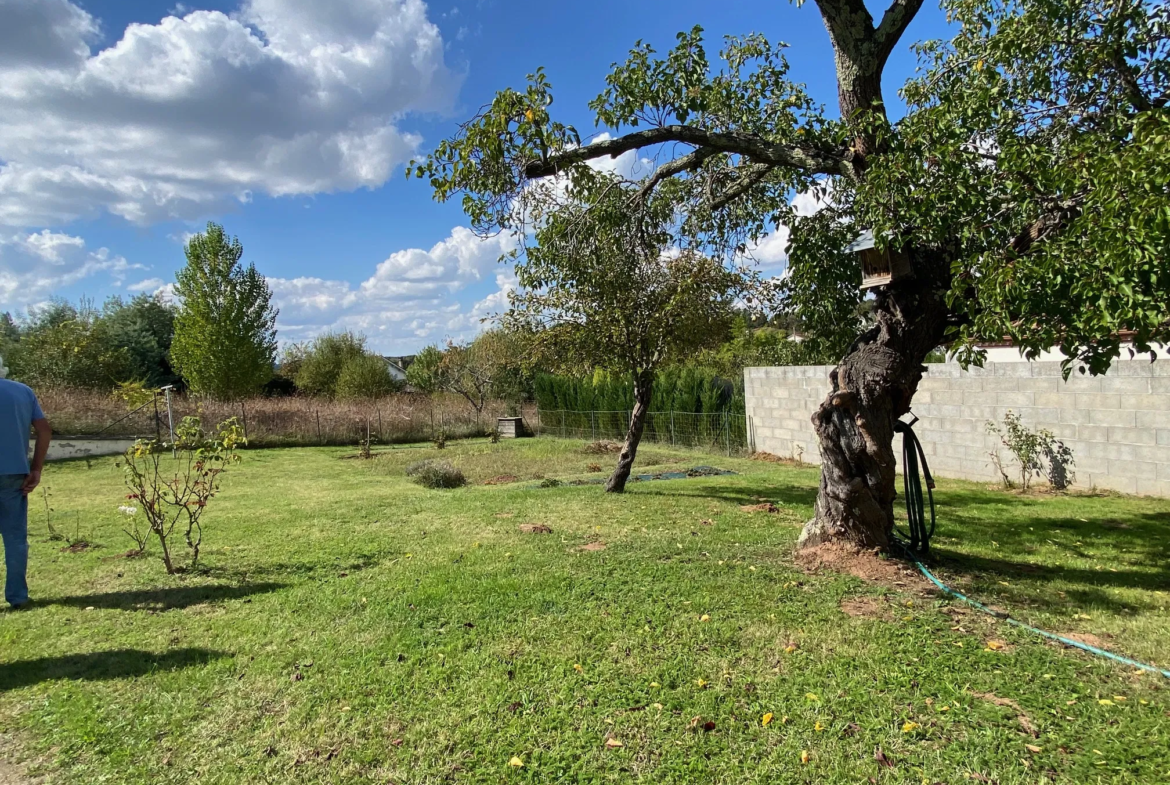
{"type": "Point", "coordinates": [643, 386]}
{"type": "Point", "coordinates": [872, 387]}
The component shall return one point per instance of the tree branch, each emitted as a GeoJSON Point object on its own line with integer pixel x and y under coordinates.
{"type": "Point", "coordinates": [894, 22]}
{"type": "Point", "coordinates": [754, 174]}
{"type": "Point", "coordinates": [807, 159]}
{"type": "Point", "coordinates": [687, 163]}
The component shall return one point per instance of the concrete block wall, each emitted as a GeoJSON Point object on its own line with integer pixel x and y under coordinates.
{"type": "Point", "coordinates": [1117, 425]}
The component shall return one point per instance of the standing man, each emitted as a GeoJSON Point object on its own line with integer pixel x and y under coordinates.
{"type": "Point", "coordinates": [19, 411]}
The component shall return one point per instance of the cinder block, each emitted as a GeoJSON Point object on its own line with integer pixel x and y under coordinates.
{"type": "Point", "coordinates": [1009, 369]}
{"type": "Point", "coordinates": [1094, 401]}
{"type": "Point", "coordinates": [1153, 454]}
{"type": "Point", "coordinates": [1132, 435]}
{"type": "Point", "coordinates": [1137, 470]}
{"type": "Point", "coordinates": [1139, 366]}
{"type": "Point", "coordinates": [1163, 437]}
{"type": "Point", "coordinates": [1077, 416]}
{"type": "Point", "coordinates": [1125, 384]}
{"type": "Point", "coordinates": [1089, 464]}
{"type": "Point", "coordinates": [1117, 452]}
{"type": "Point", "coordinates": [1093, 433]}
{"type": "Point", "coordinates": [1153, 488]}
{"type": "Point", "coordinates": [1082, 384]}
{"type": "Point", "coordinates": [1153, 420]}
{"type": "Point", "coordinates": [1057, 400]}
{"type": "Point", "coordinates": [1125, 419]}
{"type": "Point", "coordinates": [1148, 402]}
{"type": "Point", "coordinates": [1123, 484]}
{"type": "Point", "coordinates": [1045, 369]}
{"type": "Point", "coordinates": [1001, 384]}
{"type": "Point", "coordinates": [1043, 384]}
{"type": "Point", "coordinates": [1160, 384]}
{"type": "Point", "coordinates": [1014, 399]}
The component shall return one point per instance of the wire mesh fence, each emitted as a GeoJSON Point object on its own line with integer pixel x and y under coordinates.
{"type": "Point", "coordinates": [273, 422]}
{"type": "Point", "coordinates": [713, 431]}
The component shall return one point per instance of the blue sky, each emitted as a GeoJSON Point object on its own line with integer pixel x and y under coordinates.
{"type": "Point", "coordinates": [126, 124]}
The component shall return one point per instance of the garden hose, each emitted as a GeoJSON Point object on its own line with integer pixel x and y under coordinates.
{"type": "Point", "coordinates": [918, 542]}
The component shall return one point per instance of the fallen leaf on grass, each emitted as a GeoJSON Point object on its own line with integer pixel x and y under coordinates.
{"type": "Point", "coordinates": [577, 667]}
{"type": "Point", "coordinates": [707, 522]}
{"type": "Point", "coordinates": [881, 758]}
{"type": "Point", "coordinates": [516, 762]}
{"type": "Point", "coordinates": [995, 645]}
{"type": "Point", "coordinates": [804, 756]}
{"type": "Point", "coordinates": [765, 507]}
{"type": "Point", "coordinates": [767, 718]}
{"type": "Point", "coordinates": [613, 743]}
{"type": "Point", "coordinates": [396, 742]}
{"type": "Point", "coordinates": [909, 727]}
{"type": "Point", "coordinates": [701, 683]}
{"type": "Point", "coordinates": [790, 648]}
{"type": "Point", "coordinates": [818, 727]}
{"type": "Point", "coordinates": [704, 617]}
{"type": "Point", "coordinates": [1032, 748]}
{"type": "Point", "coordinates": [1105, 702]}
{"type": "Point", "coordinates": [812, 696]}
{"type": "Point", "coordinates": [534, 528]}
{"type": "Point", "coordinates": [592, 546]}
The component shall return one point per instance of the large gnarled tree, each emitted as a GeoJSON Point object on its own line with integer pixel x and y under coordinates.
{"type": "Point", "coordinates": [1027, 186]}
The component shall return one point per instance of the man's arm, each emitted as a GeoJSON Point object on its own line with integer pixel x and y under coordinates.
{"type": "Point", "coordinates": [44, 435]}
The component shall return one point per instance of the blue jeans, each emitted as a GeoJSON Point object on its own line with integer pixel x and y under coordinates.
{"type": "Point", "coordinates": [14, 530]}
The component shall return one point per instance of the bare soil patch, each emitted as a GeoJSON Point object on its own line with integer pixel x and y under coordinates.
{"type": "Point", "coordinates": [592, 547]}
{"type": "Point", "coordinates": [1086, 638]}
{"type": "Point", "coordinates": [765, 507]}
{"type": "Point", "coordinates": [867, 565]}
{"type": "Point", "coordinates": [1021, 717]}
{"type": "Point", "coordinates": [503, 479]}
{"type": "Point", "coordinates": [534, 528]}
{"type": "Point", "coordinates": [865, 608]}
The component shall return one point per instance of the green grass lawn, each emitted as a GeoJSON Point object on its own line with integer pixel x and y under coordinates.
{"type": "Point", "coordinates": [349, 627]}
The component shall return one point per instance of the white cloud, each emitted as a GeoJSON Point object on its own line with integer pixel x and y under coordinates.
{"type": "Point", "coordinates": [410, 298]}
{"type": "Point", "coordinates": [771, 251]}
{"type": "Point", "coordinates": [149, 285]}
{"type": "Point", "coordinates": [180, 118]}
{"type": "Point", "coordinates": [34, 265]}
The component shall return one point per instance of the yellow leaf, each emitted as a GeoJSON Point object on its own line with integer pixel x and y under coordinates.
{"type": "Point", "coordinates": [701, 682]}
{"type": "Point", "coordinates": [516, 762]}
{"type": "Point", "coordinates": [704, 617]}
{"type": "Point", "coordinates": [1105, 702]}
{"type": "Point", "coordinates": [528, 115]}
{"type": "Point", "coordinates": [1118, 697]}
{"type": "Point", "coordinates": [655, 685]}
{"type": "Point", "coordinates": [784, 720]}
{"type": "Point", "coordinates": [909, 727]}
{"type": "Point", "coordinates": [1069, 703]}
{"type": "Point", "coordinates": [995, 645]}
{"type": "Point", "coordinates": [804, 756]}
{"type": "Point", "coordinates": [979, 66]}
{"type": "Point", "coordinates": [790, 648]}
{"type": "Point", "coordinates": [812, 696]}
{"type": "Point", "coordinates": [1031, 748]}
{"type": "Point", "coordinates": [944, 708]}
{"type": "Point", "coordinates": [767, 718]}
{"type": "Point", "coordinates": [577, 667]}
{"type": "Point", "coordinates": [612, 743]}
{"type": "Point", "coordinates": [930, 701]}
{"type": "Point", "coordinates": [818, 727]}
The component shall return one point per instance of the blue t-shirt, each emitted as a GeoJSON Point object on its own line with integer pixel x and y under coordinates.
{"type": "Point", "coordinates": [18, 409]}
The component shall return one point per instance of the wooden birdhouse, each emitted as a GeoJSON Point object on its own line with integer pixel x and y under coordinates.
{"type": "Point", "coordinates": [879, 267]}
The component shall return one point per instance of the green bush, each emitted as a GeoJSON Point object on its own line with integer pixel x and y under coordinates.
{"type": "Point", "coordinates": [365, 376]}
{"type": "Point", "coordinates": [436, 474]}
{"type": "Point", "coordinates": [321, 362]}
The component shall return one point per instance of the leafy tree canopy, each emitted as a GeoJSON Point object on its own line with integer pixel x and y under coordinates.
{"type": "Point", "coordinates": [225, 331]}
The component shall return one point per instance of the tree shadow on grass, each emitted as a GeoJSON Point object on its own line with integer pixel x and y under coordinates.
{"type": "Point", "coordinates": [100, 666]}
{"type": "Point", "coordinates": [162, 599]}
{"type": "Point", "coordinates": [794, 495]}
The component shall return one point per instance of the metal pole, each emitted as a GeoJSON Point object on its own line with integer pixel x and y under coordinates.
{"type": "Point", "coordinates": [244, 414]}
{"type": "Point", "coordinates": [671, 426]}
{"type": "Point", "coordinates": [318, 411]}
{"type": "Point", "coordinates": [727, 432]}
{"type": "Point", "coordinates": [593, 423]}
{"type": "Point", "coordinates": [171, 423]}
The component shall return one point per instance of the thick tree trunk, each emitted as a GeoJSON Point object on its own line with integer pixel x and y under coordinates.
{"type": "Point", "coordinates": [872, 387]}
{"type": "Point", "coordinates": [643, 385]}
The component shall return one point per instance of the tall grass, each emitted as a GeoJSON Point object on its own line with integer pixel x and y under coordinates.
{"type": "Point", "coordinates": [272, 422]}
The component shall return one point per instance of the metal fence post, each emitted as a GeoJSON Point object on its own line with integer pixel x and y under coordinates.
{"type": "Point", "coordinates": [318, 427]}
{"type": "Point", "coordinates": [671, 426]}
{"type": "Point", "coordinates": [244, 416]}
{"type": "Point", "coordinates": [562, 423]}
{"type": "Point", "coordinates": [727, 432]}
{"type": "Point", "coordinates": [593, 423]}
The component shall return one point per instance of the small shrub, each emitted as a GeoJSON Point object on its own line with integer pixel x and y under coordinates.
{"type": "Point", "coordinates": [436, 474]}
{"type": "Point", "coordinates": [440, 440]}
{"type": "Point", "coordinates": [594, 467]}
{"type": "Point", "coordinates": [493, 435]}
{"type": "Point", "coordinates": [1036, 452]}
{"type": "Point", "coordinates": [173, 482]}
{"type": "Point", "coordinates": [551, 482]}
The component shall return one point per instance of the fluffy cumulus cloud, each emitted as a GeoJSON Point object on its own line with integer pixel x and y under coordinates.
{"type": "Point", "coordinates": [179, 118]}
{"type": "Point", "coordinates": [414, 296]}
{"type": "Point", "coordinates": [33, 265]}
{"type": "Point", "coordinates": [771, 251]}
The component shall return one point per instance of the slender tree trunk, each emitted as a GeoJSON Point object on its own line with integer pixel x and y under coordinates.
{"type": "Point", "coordinates": [872, 387]}
{"type": "Point", "coordinates": [643, 386]}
